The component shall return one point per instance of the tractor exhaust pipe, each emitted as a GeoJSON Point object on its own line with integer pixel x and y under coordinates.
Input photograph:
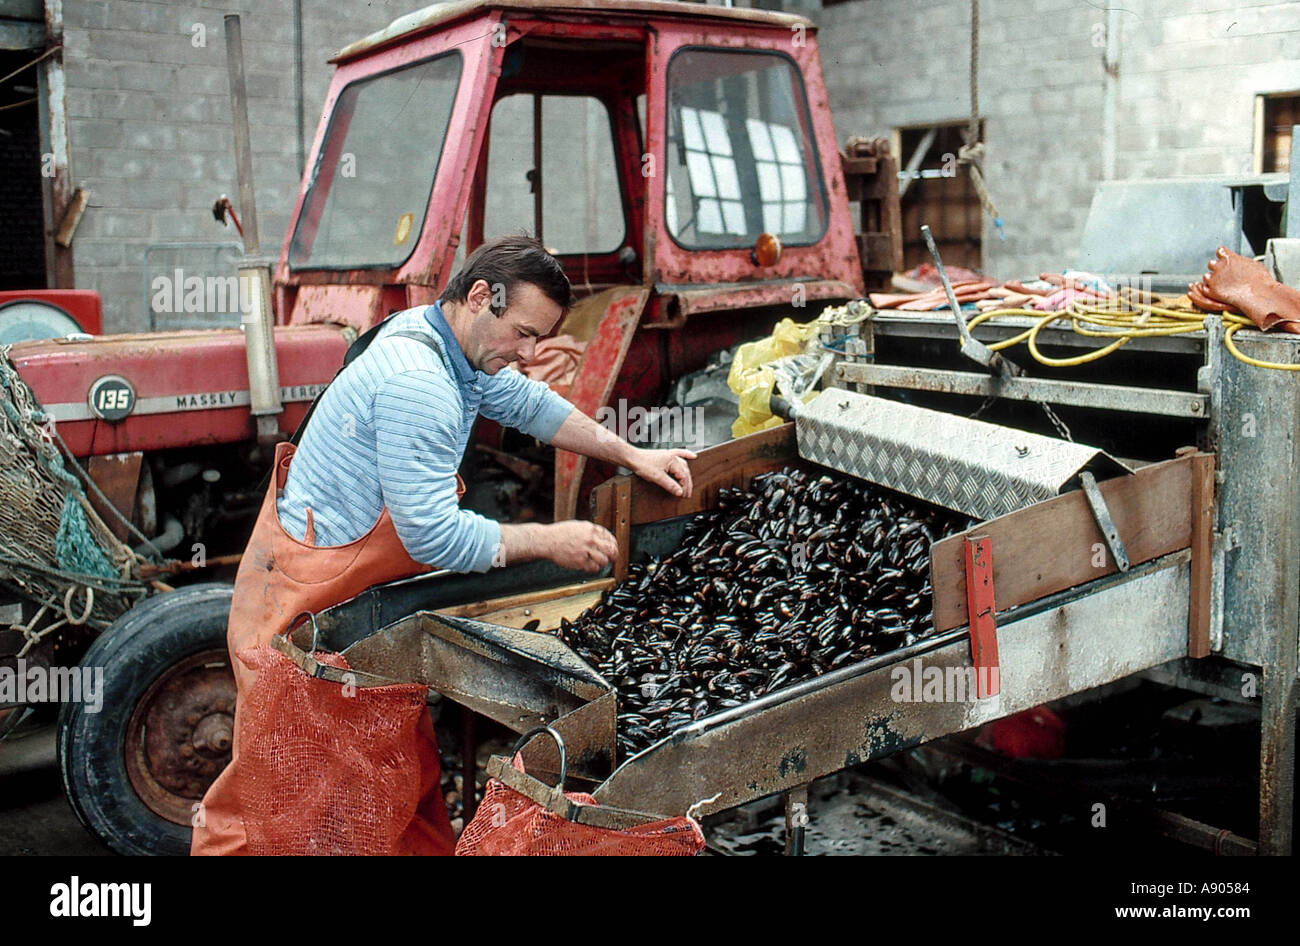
{"type": "Point", "coordinates": [254, 269]}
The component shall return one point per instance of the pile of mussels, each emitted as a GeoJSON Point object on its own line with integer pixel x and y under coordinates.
{"type": "Point", "coordinates": [796, 576]}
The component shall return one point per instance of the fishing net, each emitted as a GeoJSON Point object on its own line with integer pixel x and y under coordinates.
{"type": "Point", "coordinates": [331, 769]}
{"type": "Point", "coordinates": [54, 548]}
{"type": "Point", "coordinates": [508, 823]}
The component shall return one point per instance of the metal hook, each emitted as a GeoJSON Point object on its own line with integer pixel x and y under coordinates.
{"type": "Point", "coordinates": [315, 629]}
{"type": "Point", "coordinates": [559, 742]}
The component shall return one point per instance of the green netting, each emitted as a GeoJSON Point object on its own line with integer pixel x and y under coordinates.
{"type": "Point", "coordinates": [75, 550]}
{"type": "Point", "coordinates": [51, 539]}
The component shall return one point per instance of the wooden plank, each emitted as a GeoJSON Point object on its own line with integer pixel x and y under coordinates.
{"type": "Point", "coordinates": [477, 609]}
{"type": "Point", "coordinates": [622, 525]}
{"type": "Point", "coordinates": [1055, 544]}
{"type": "Point", "coordinates": [1202, 538]}
{"type": "Point", "coordinates": [732, 463]}
{"type": "Point", "coordinates": [547, 614]}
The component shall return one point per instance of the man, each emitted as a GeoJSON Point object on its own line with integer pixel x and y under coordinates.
{"type": "Point", "coordinates": [372, 493]}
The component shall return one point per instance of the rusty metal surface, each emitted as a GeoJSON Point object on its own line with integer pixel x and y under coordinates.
{"type": "Point", "coordinates": [834, 256]}
{"type": "Point", "coordinates": [439, 14]}
{"type": "Point", "coordinates": [1111, 397]}
{"type": "Point", "coordinates": [520, 679]}
{"type": "Point", "coordinates": [358, 306]}
{"type": "Point", "coordinates": [693, 300]}
{"type": "Point", "coordinates": [436, 243]}
{"type": "Point", "coordinates": [117, 477]}
{"type": "Point", "coordinates": [1081, 639]}
{"type": "Point", "coordinates": [198, 377]}
{"type": "Point", "coordinates": [179, 736]}
{"type": "Point", "coordinates": [1257, 531]}
{"type": "Point", "coordinates": [597, 373]}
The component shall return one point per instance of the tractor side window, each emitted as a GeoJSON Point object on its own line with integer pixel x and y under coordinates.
{"type": "Point", "coordinates": [580, 210]}
{"type": "Point", "coordinates": [740, 156]}
{"type": "Point", "coordinates": [374, 175]}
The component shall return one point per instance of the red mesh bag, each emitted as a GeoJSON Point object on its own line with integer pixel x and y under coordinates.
{"type": "Point", "coordinates": [331, 769]}
{"type": "Point", "coordinates": [509, 823]}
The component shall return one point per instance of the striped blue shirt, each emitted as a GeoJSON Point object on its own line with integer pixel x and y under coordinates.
{"type": "Point", "coordinates": [391, 430]}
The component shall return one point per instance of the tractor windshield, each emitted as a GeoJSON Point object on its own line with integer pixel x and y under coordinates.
{"type": "Point", "coordinates": [374, 173]}
{"type": "Point", "coordinates": [740, 152]}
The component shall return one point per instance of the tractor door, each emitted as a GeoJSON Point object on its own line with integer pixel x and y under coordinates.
{"type": "Point", "coordinates": [562, 160]}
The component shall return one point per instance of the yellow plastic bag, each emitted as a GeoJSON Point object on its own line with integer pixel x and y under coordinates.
{"type": "Point", "coordinates": [752, 379]}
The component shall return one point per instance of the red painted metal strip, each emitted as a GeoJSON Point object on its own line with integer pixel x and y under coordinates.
{"type": "Point", "coordinates": [195, 369]}
{"type": "Point", "coordinates": [983, 625]}
{"type": "Point", "coordinates": [597, 374]}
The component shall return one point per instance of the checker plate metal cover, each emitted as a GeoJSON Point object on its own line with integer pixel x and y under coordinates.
{"type": "Point", "coordinates": [981, 469]}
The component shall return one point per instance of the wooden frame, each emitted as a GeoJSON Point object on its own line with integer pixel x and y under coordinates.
{"type": "Point", "coordinates": [1159, 509]}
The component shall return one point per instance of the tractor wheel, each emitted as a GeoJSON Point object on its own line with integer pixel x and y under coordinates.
{"type": "Point", "coordinates": [135, 770]}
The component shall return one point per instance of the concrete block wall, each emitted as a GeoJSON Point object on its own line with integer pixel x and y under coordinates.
{"type": "Point", "coordinates": [149, 125]}
{"type": "Point", "coordinates": [150, 132]}
{"type": "Point", "coordinates": [1188, 74]}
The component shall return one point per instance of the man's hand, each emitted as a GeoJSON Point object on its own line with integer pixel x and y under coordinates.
{"type": "Point", "coordinates": [584, 546]}
{"type": "Point", "coordinates": [666, 468]}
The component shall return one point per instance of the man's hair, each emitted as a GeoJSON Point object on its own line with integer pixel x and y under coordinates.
{"type": "Point", "coordinates": [505, 262]}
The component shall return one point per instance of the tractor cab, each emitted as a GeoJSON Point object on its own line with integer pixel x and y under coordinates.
{"type": "Point", "coordinates": [678, 159]}
{"type": "Point", "coordinates": [648, 144]}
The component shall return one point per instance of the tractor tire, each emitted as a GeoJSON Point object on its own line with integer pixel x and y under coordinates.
{"type": "Point", "coordinates": [135, 770]}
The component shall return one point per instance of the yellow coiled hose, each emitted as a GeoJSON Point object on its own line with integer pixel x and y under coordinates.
{"type": "Point", "coordinates": [1136, 320]}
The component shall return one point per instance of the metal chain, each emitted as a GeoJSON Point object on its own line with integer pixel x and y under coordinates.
{"type": "Point", "coordinates": [984, 406]}
{"type": "Point", "coordinates": [1056, 421]}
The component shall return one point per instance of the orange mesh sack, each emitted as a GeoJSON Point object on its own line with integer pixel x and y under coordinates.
{"type": "Point", "coordinates": [509, 823]}
{"type": "Point", "coordinates": [326, 768]}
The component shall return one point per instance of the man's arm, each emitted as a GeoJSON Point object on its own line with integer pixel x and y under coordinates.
{"type": "Point", "coordinates": [573, 543]}
{"type": "Point", "coordinates": [415, 413]}
{"type": "Point", "coordinates": [414, 416]}
{"type": "Point", "coordinates": [666, 468]}
{"type": "Point", "coordinates": [531, 406]}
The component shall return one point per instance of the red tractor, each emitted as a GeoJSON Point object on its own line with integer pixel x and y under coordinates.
{"type": "Point", "coordinates": [678, 158]}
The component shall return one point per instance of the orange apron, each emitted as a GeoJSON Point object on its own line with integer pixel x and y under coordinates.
{"type": "Point", "coordinates": [279, 578]}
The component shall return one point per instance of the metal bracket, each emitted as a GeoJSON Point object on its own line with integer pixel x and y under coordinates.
{"type": "Point", "coordinates": [980, 610]}
{"type": "Point", "coordinates": [1209, 382]}
{"type": "Point", "coordinates": [1101, 513]}
{"type": "Point", "coordinates": [1225, 541]}
{"type": "Point", "coordinates": [976, 351]}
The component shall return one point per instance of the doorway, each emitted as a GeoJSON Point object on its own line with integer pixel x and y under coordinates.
{"type": "Point", "coordinates": [935, 190]}
{"type": "Point", "coordinates": [22, 216]}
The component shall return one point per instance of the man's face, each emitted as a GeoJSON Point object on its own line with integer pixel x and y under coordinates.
{"type": "Point", "coordinates": [511, 336]}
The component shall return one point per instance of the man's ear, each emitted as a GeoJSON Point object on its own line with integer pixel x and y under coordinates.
{"type": "Point", "coordinates": [479, 296]}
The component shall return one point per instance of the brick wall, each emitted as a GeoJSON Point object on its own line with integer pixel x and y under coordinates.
{"type": "Point", "coordinates": [150, 131]}
{"type": "Point", "coordinates": [1187, 80]}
